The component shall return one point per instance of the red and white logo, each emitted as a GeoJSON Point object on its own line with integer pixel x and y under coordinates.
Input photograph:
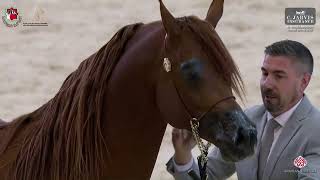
{"type": "Point", "coordinates": [12, 14]}
{"type": "Point", "coordinates": [11, 17]}
{"type": "Point", "coordinates": [300, 162]}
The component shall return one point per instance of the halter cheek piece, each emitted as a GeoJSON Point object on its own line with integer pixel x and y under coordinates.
{"type": "Point", "coordinates": [195, 122]}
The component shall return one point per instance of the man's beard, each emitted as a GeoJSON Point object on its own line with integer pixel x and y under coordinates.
{"type": "Point", "coordinates": [271, 100]}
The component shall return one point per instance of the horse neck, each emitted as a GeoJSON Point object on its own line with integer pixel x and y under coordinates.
{"type": "Point", "coordinates": [134, 129]}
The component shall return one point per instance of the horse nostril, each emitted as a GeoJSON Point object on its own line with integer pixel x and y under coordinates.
{"type": "Point", "coordinates": [239, 137]}
{"type": "Point", "coordinates": [253, 136]}
{"type": "Point", "coordinates": [245, 137]}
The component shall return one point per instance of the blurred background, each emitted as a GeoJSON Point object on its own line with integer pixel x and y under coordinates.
{"type": "Point", "coordinates": [34, 61]}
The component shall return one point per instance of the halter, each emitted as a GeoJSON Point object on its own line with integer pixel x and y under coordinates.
{"type": "Point", "coordinates": [194, 123]}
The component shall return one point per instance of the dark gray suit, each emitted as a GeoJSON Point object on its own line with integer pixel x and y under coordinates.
{"type": "Point", "coordinates": [299, 137]}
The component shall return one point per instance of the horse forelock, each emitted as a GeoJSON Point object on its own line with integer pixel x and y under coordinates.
{"type": "Point", "coordinates": [68, 142]}
{"type": "Point", "coordinates": [220, 57]}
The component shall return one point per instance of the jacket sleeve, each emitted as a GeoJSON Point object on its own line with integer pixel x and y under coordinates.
{"type": "Point", "coordinates": [217, 168]}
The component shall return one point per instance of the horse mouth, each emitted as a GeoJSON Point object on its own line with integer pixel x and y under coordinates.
{"type": "Point", "coordinates": [236, 156]}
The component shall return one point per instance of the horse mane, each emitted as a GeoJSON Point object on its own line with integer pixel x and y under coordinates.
{"type": "Point", "coordinates": [67, 142]}
{"type": "Point", "coordinates": [222, 61]}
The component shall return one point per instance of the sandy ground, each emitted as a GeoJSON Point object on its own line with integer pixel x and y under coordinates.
{"type": "Point", "coordinates": [35, 60]}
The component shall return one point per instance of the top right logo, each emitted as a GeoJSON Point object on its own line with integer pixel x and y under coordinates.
{"type": "Point", "coordinates": [300, 16]}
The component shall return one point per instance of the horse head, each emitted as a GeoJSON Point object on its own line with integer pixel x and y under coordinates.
{"type": "Point", "coordinates": [204, 77]}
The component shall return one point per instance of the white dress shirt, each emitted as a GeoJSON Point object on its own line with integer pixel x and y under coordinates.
{"type": "Point", "coordinates": [281, 119]}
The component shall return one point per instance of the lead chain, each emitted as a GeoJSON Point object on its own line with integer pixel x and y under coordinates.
{"type": "Point", "coordinates": [203, 149]}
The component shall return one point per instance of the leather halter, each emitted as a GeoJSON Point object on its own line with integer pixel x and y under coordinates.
{"type": "Point", "coordinates": [186, 107]}
{"type": "Point", "coordinates": [195, 122]}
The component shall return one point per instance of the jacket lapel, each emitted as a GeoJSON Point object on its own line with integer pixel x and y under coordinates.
{"type": "Point", "coordinates": [288, 131]}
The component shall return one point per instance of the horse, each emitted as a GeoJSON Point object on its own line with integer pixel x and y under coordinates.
{"type": "Point", "coordinates": [108, 118]}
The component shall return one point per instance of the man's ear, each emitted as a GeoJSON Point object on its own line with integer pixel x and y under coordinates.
{"type": "Point", "coordinates": [306, 77]}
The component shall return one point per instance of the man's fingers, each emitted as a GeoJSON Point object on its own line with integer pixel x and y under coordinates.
{"type": "Point", "coordinates": [176, 135]}
{"type": "Point", "coordinates": [182, 135]}
{"type": "Point", "coordinates": [186, 134]}
{"type": "Point", "coordinates": [182, 140]}
{"type": "Point", "coordinates": [175, 131]}
{"type": "Point", "coordinates": [188, 138]}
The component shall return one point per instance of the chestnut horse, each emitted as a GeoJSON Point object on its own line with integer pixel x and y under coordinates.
{"type": "Point", "coordinates": [108, 119]}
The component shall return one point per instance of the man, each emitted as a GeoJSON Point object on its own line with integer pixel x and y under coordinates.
{"type": "Point", "coordinates": [287, 123]}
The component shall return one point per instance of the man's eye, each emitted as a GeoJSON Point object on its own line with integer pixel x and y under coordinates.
{"type": "Point", "coordinates": [264, 74]}
{"type": "Point", "coordinates": [279, 76]}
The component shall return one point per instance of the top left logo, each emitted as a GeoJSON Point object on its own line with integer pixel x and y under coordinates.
{"type": "Point", "coordinates": [11, 17]}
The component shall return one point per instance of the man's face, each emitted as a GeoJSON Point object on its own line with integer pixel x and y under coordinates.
{"type": "Point", "coordinates": [281, 84]}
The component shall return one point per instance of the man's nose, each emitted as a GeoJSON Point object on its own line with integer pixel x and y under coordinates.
{"type": "Point", "coordinates": [268, 82]}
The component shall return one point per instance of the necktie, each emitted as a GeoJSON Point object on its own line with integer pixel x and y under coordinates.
{"type": "Point", "coordinates": [266, 143]}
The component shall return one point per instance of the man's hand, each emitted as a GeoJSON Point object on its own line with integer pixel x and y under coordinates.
{"type": "Point", "coordinates": [183, 143]}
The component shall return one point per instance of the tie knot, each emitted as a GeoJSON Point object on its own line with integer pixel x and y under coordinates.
{"type": "Point", "coordinates": [272, 124]}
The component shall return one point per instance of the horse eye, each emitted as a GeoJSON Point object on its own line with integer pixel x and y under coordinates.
{"type": "Point", "coordinates": [191, 71]}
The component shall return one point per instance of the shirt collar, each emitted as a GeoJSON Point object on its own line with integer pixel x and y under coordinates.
{"type": "Point", "coordinates": [284, 117]}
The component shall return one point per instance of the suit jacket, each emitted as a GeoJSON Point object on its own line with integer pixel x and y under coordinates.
{"type": "Point", "coordinates": [299, 137]}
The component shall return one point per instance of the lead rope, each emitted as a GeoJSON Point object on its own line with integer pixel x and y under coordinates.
{"type": "Point", "coordinates": [203, 157]}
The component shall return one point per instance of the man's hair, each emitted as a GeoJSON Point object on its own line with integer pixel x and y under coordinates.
{"type": "Point", "coordinates": [289, 48]}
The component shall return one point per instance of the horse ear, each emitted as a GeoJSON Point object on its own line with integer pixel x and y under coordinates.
{"type": "Point", "coordinates": [169, 22]}
{"type": "Point", "coordinates": [215, 12]}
